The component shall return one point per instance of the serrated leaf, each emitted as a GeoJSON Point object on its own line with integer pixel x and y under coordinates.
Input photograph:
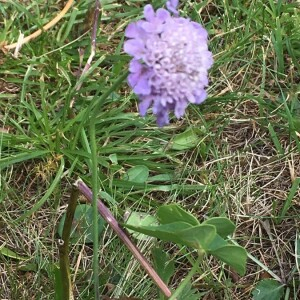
{"type": "Point", "coordinates": [137, 174]}
{"type": "Point", "coordinates": [223, 225]}
{"type": "Point", "coordinates": [82, 225]}
{"type": "Point", "coordinates": [185, 140]}
{"type": "Point", "coordinates": [140, 219]}
{"type": "Point", "coordinates": [174, 213]}
{"type": "Point", "coordinates": [268, 289]}
{"type": "Point", "coordinates": [232, 255]}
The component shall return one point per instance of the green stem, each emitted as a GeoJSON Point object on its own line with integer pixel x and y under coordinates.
{"type": "Point", "coordinates": [107, 93]}
{"type": "Point", "coordinates": [94, 169]}
{"type": "Point", "coordinates": [187, 279]}
{"type": "Point", "coordinates": [94, 205]}
{"type": "Point", "coordinates": [64, 261]}
{"type": "Point", "coordinates": [95, 107]}
{"type": "Point", "coordinates": [95, 189]}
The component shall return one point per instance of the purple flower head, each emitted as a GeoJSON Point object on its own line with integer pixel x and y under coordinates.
{"type": "Point", "coordinates": [170, 61]}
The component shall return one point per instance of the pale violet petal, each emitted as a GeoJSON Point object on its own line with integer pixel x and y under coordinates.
{"type": "Point", "coordinates": [142, 86]}
{"type": "Point", "coordinates": [135, 66]}
{"type": "Point", "coordinates": [135, 47]}
{"type": "Point", "coordinates": [149, 13]}
{"type": "Point", "coordinates": [144, 105]}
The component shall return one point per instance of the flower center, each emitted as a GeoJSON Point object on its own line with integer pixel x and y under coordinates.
{"type": "Point", "coordinates": [175, 56]}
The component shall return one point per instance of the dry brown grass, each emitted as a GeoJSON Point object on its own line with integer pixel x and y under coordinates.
{"type": "Point", "coordinates": [254, 187]}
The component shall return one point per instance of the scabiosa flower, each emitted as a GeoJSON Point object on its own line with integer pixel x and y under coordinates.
{"type": "Point", "coordinates": [170, 61]}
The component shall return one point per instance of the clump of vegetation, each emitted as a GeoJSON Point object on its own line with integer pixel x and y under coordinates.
{"type": "Point", "coordinates": [197, 196]}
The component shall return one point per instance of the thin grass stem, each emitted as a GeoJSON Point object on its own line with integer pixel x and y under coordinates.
{"type": "Point", "coordinates": [94, 205]}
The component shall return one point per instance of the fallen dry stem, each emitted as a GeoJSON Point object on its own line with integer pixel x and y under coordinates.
{"type": "Point", "coordinates": [39, 31]}
{"type": "Point", "coordinates": [113, 223]}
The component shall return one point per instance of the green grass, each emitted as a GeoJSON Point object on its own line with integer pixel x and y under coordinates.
{"type": "Point", "coordinates": [244, 164]}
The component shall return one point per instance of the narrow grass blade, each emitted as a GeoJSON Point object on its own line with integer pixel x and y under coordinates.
{"type": "Point", "coordinates": [11, 254]}
{"type": "Point", "coordinates": [275, 139]}
{"type": "Point", "coordinates": [289, 199]}
{"type": "Point", "coordinates": [23, 156]}
{"type": "Point", "coordinates": [94, 166]}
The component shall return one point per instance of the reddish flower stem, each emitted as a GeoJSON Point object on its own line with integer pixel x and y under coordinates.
{"type": "Point", "coordinates": [122, 234]}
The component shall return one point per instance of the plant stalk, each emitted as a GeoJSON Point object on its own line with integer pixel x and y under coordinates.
{"type": "Point", "coordinates": [64, 261]}
{"type": "Point", "coordinates": [122, 234]}
{"type": "Point", "coordinates": [187, 279]}
{"type": "Point", "coordinates": [94, 166]}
